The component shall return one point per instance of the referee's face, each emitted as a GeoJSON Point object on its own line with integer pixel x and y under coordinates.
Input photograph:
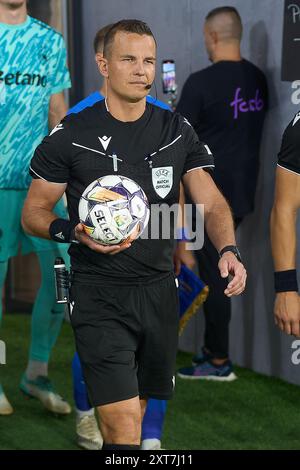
{"type": "Point", "coordinates": [130, 65]}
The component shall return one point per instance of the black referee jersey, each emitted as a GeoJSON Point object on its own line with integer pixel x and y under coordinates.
{"type": "Point", "coordinates": [80, 149]}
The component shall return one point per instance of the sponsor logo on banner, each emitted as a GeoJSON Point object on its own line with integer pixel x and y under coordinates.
{"type": "Point", "coordinates": [162, 180]}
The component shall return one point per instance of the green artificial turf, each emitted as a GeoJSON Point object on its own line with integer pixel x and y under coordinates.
{"type": "Point", "coordinates": [254, 412]}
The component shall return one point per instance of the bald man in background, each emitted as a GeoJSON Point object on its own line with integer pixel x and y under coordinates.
{"type": "Point", "coordinates": [226, 104]}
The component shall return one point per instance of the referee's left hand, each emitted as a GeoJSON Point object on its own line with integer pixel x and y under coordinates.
{"type": "Point", "coordinates": [229, 265]}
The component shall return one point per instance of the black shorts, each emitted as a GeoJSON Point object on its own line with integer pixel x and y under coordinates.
{"type": "Point", "coordinates": [126, 337]}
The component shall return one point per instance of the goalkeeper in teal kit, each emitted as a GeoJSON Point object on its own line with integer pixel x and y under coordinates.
{"type": "Point", "coordinates": [33, 75]}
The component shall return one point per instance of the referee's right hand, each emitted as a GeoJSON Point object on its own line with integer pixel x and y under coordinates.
{"type": "Point", "coordinates": [83, 238]}
{"type": "Point", "coordinates": [287, 312]}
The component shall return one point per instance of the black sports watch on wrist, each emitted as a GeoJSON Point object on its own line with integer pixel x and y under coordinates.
{"type": "Point", "coordinates": [234, 249]}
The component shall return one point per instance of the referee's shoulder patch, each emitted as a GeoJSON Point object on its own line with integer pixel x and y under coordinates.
{"type": "Point", "coordinates": [207, 149]}
{"type": "Point", "coordinates": [296, 119]}
{"type": "Point", "coordinates": [58, 127]}
{"type": "Point", "coordinates": [185, 121]}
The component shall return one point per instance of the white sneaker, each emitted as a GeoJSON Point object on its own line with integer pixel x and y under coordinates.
{"type": "Point", "coordinates": [151, 444]}
{"type": "Point", "coordinates": [42, 389]}
{"type": "Point", "coordinates": [88, 434]}
{"type": "Point", "coordinates": [5, 407]}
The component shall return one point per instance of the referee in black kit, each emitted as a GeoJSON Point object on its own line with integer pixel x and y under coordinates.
{"type": "Point", "coordinates": [284, 231]}
{"type": "Point", "coordinates": [125, 315]}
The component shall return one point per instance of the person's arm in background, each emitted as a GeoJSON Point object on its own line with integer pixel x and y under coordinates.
{"type": "Point", "coordinates": [59, 79]}
{"type": "Point", "coordinates": [182, 255]}
{"type": "Point", "coordinates": [189, 105]}
{"type": "Point", "coordinates": [283, 239]}
{"type": "Point", "coordinates": [57, 109]}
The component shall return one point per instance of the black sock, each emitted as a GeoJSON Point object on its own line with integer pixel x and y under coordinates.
{"type": "Point", "coordinates": [119, 447]}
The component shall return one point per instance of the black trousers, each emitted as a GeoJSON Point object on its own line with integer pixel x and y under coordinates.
{"type": "Point", "coordinates": [217, 308]}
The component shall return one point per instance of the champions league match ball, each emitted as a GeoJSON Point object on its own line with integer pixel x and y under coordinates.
{"type": "Point", "coordinates": [112, 208]}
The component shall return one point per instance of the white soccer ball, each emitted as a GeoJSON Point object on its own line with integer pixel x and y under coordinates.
{"type": "Point", "coordinates": [112, 208]}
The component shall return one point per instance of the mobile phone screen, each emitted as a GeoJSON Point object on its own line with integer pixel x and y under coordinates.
{"type": "Point", "coordinates": [168, 76]}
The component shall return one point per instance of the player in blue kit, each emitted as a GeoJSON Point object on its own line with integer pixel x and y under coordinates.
{"type": "Point", "coordinates": [33, 75]}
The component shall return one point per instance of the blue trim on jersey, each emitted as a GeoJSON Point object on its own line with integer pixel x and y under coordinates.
{"type": "Point", "coordinates": [158, 103]}
{"type": "Point", "coordinates": [96, 96]}
{"type": "Point", "coordinates": [86, 103]}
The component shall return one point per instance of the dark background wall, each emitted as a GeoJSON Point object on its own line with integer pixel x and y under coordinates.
{"type": "Point", "coordinates": [177, 25]}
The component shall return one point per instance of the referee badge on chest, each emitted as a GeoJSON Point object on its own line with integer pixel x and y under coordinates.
{"type": "Point", "coordinates": [162, 180]}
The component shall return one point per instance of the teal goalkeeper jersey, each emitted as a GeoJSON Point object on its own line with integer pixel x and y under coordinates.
{"type": "Point", "coordinates": [32, 68]}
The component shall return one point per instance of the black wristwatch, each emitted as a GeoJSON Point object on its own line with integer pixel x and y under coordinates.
{"type": "Point", "coordinates": [234, 249]}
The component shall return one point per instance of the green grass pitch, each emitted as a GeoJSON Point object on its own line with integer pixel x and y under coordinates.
{"type": "Point", "coordinates": [254, 412]}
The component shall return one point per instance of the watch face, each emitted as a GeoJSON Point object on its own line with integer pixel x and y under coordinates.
{"type": "Point", "coordinates": [237, 253]}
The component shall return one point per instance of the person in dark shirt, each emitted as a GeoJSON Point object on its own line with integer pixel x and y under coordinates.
{"type": "Point", "coordinates": [125, 306]}
{"type": "Point", "coordinates": [284, 233]}
{"type": "Point", "coordinates": [226, 104]}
